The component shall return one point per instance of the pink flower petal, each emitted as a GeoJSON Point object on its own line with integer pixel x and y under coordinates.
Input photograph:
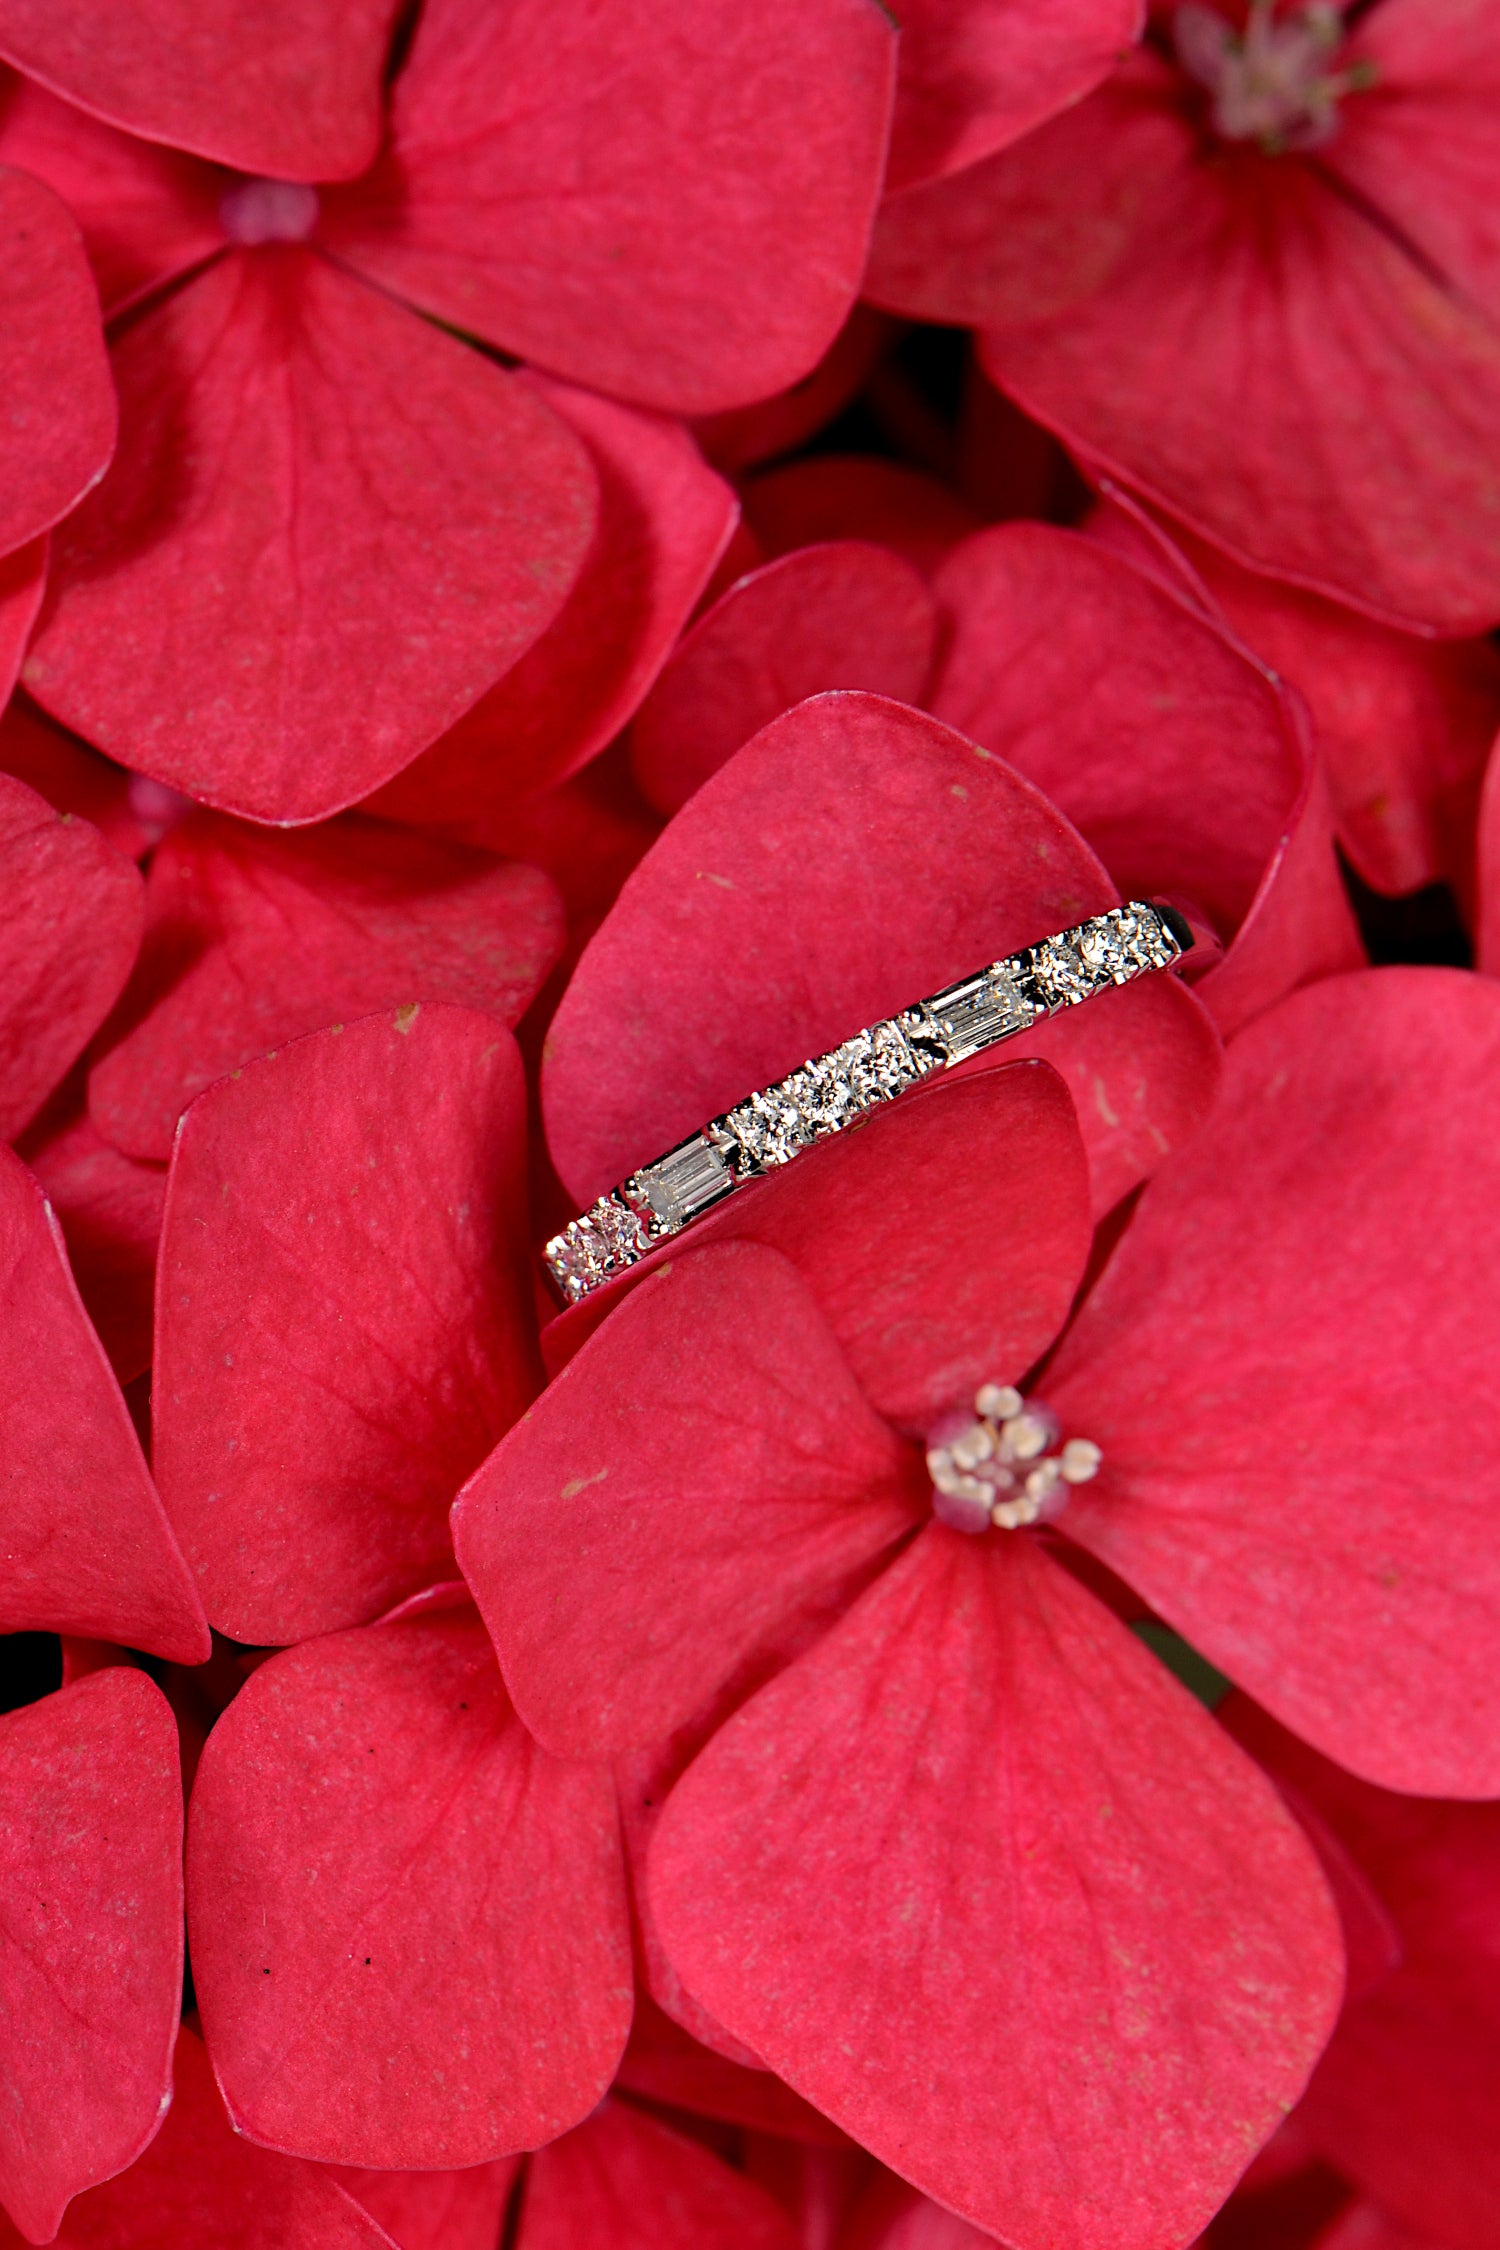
{"type": "Point", "coordinates": [674, 214]}
{"type": "Point", "coordinates": [437, 2210]}
{"type": "Point", "coordinates": [74, 911]}
{"type": "Point", "coordinates": [769, 427]}
{"type": "Point", "coordinates": [624, 2180]}
{"type": "Point", "coordinates": [664, 520]}
{"type": "Point", "coordinates": [852, 857]}
{"type": "Point", "coordinates": [328, 531]}
{"type": "Point", "coordinates": [290, 87]}
{"type": "Point", "coordinates": [1173, 753]}
{"type": "Point", "coordinates": [762, 927]}
{"type": "Point", "coordinates": [705, 1465]}
{"type": "Point", "coordinates": [408, 1923]}
{"type": "Point", "coordinates": [1401, 2099]}
{"type": "Point", "coordinates": [1290, 1372]}
{"type": "Point", "coordinates": [146, 214]}
{"type": "Point", "coordinates": [344, 1315]}
{"type": "Point", "coordinates": [23, 575]}
{"type": "Point", "coordinates": [109, 1209]}
{"type": "Point", "coordinates": [840, 615]}
{"type": "Point", "coordinates": [662, 2064]}
{"type": "Point", "coordinates": [1487, 932]}
{"type": "Point", "coordinates": [976, 74]}
{"type": "Point", "coordinates": [588, 834]}
{"type": "Point", "coordinates": [992, 1891]}
{"type": "Point", "coordinates": [1150, 730]}
{"type": "Point", "coordinates": [91, 1945]}
{"type": "Point", "coordinates": [856, 496]}
{"type": "Point", "coordinates": [88, 1549]}
{"type": "Point", "coordinates": [1403, 725]}
{"type": "Point", "coordinates": [200, 2183]}
{"type": "Point", "coordinates": [72, 777]}
{"type": "Point", "coordinates": [59, 426]}
{"type": "Point", "coordinates": [1123, 312]}
{"type": "Point", "coordinates": [1142, 1066]}
{"type": "Point", "coordinates": [254, 939]}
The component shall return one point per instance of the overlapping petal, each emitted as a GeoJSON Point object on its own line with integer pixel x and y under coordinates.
{"type": "Point", "coordinates": [87, 1547]}
{"type": "Point", "coordinates": [344, 1315]}
{"type": "Point", "coordinates": [59, 426]}
{"type": "Point", "coordinates": [1101, 1842]}
{"type": "Point", "coordinates": [1402, 724]}
{"type": "Point", "coordinates": [23, 574]}
{"type": "Point", "coordinates": [1171, 752]}
{"type": "Point", "coordinates": [329, 529]}
{"type": "Point", "coordinates": [1401, 2099]}
{"type": "Point", "coordinates": [109, 1208]}
{"type": "Point", "coordinates": [90, 1937]}
{"type": "Point", "coordinates": [855, 855]}
{"type": "Point", "coordinates": [254, 939]}
{"type": "Point", "coordinates": [408, 1922]}
{"type": "Point", "coordinates": [291, 87]}
{"type": "Point", "coordinates": [856, 496]}
{"type": "Point", "coordinates": [669, 207]}
{"type": "Point", "coordinates": [664, 520]}
{"type": "Point", "coordinates": [1293, 1330]}
{"type": "Point", "coordinates": [1129, 277]}
{"type": "Point", "coordinates": [437, 2210]}
{"type": "Point", "coordinates": [146, 213]}
{"type": "Point", "coordinates": [843, 614]}
{"type": "Point", "coordinates": [623, 2179]}
{"type": "Point", "coordinates": [976, 74]}
{"type": "Point", "coordinates": [200, 2182]}
{"type": "Point", "coordinates": [74, 913]}
{"type": "Point", "coordinates": [128, 812]}
{"type": "Point", "coordinates": [672, 1497]}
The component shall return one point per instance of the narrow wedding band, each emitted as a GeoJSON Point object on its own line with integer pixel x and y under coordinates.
{"type": "Point", "coordinates": [836, 1090]}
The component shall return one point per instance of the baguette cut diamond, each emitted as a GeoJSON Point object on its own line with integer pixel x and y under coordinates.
{"type": "Point", "coordinates": [831, 1092]}
{"type": "Point", "coordinates": [971, 1016]}
{"type": "Point", "coordinates": [688, 1180]}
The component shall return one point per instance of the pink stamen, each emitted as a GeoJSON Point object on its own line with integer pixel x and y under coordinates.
{"type": "Point", "coordinates": [1270, 82]}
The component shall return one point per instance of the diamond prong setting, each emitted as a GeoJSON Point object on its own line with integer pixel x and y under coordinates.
{"type": "Point", "coordinates": [771, 1127]}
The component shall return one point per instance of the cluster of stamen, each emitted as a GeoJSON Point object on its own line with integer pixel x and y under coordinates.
{"type": "Point", "coordinates": [1271, 82]}
{"type": "Point", "coordinates": [1004, 1465]}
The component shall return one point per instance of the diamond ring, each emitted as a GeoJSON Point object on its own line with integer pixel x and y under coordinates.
{"type": "Point", "coordinates": [834, 1091]}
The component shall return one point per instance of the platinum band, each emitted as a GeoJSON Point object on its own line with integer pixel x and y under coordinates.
{"type": "Point", "coordinates": [833, 1091]}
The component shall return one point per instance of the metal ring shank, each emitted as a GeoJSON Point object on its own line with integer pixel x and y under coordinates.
{"type": "Point", "coordinates": [772, 1127]}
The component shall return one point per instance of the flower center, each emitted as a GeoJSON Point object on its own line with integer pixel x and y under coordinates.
{"type": "Point", "coordinates": [1271, 82]}
{"type": "Point", "coordinates": [1004, 1464]}
{"type": "Point", "coordinates": [268, 211]}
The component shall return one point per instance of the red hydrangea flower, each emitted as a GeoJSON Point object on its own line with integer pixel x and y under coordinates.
{"type": "Point", "coordinates": [672, 1537]}
{"type": "Point", "coordinates": [331, 526]}
{"type": "Point", "coordinates": [1255, 276]}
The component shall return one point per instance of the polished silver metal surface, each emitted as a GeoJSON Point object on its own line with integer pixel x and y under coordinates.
{"type": "Point", "coordinates": [821, 1097]}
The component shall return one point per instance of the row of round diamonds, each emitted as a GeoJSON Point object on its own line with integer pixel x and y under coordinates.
{"type": "Point", "coordinates": [776, 1123]}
